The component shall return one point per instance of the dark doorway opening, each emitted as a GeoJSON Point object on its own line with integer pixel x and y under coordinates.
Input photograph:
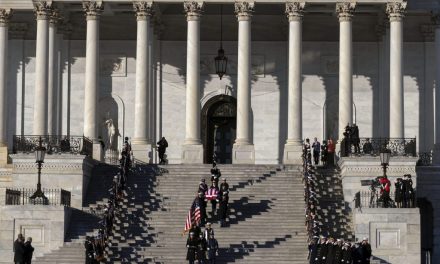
{"type": "Point", "coordinates": [219, 118]}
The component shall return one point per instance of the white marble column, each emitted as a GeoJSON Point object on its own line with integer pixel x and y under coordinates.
{"type": "Point", "coordinates": [43, 10]}
{"type": "Point", "coordinates": [141, 142]}
{"type": "Point", "coordinates": [436, 154]}
{"type": "Point", "coordinates": [4, 21]}
{"type": "Point", "coordinates": [395, 12]}
{"type": "Point", "coordinates": [293, 146]}
{"type": "Point", "coordinates": [192, 149]}
{"type": "Point", "coordinates": [52, 82]}
{"type": "Point", "coordinates": [345, 13]}
{"type": "Point", "coordinates": [243, 149]}
{"type": "Point", "coordinates": [93, 12]}
{"type": "Point", "coordinates": [91, 93]}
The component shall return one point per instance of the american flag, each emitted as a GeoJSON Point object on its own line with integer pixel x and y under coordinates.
{"type": "Point", "coordinates": [211, 194]}
{"type": "Point", "coordinates": [194, 216]}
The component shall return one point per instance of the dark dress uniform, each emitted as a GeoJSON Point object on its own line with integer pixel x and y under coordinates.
{"type": "Point", "coordinates": [313, 252]}
{"type": "Point", "coordinates": [346, 256]}
{"type": "Point", "coordinates": [212, 245]}
{"type": "Point", "coordinates": [223, 210]}
{"type": "Point", "coordinates": [338, 255]}
{"type": "Point", "coordinates": [330, 253]}
{"type": "Point", "coordinates": [324, 252]}
{"type": "Point", "coordinates": [192, 245]}
{"type": "Point", "coordinates": [201, 249]}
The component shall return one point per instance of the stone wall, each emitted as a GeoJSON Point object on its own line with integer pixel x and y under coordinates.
{"type": "Point", "coordinates": [69, 172]}
{"type": "Point", "coordinates": [394, 233]}
{"type": "Point", "coordinates": [355, 169]}
{"type": "Point", "coordinates": [45, 224]}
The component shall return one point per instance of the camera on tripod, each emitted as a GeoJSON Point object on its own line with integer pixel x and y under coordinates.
{"type": "Point", "coordinates": [374, 183]}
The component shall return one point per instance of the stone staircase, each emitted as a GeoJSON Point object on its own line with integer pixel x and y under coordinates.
{"type": "Point", "coordinates": [266, 222]}
{"type": "Point", "coordinates": [82, 222]}
{"type": "Point", "coordinates": [333, 213]}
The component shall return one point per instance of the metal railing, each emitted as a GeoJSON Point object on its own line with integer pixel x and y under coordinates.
{"type": "Point", "coordinates": [55, 144]}
{"type": "Point", "coordinates": [425, 159]}
{"type": "Point", "coordinates": [373, 146]}
{"type": "Point", "coordinates": [22, 196]}
{"type": "Point", "coordinates": [372, 199]}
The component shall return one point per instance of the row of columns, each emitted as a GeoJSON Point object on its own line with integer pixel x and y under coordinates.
{"type": "Point", "coordinates": [192, 149]}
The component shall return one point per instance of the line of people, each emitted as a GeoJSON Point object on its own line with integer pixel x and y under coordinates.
{"type": "Point", "coordinates": [95, 245]}
{"type": "Point", "coordinates": [203, 247]}
{"type": "Point", "coordinates": [337, 251]}
{"type": "Point", "coordinates": [321, 249]}
{"type": "Point", "coordinates": [324, 152]}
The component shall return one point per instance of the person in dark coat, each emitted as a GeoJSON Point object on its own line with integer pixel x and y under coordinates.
{"type": "Point", "coordinates": [19, 250]}
{"type": "Point", "coordinates": [212, 249]}
{"type": "Point", "coordinates": [346, 254]}
{"type": "Point", "coordinates": [330, 251]}
{"type": "Point", "coordinates": [191, 245]}
{"type": "Point", "coordinates": [355, 138]}
{"type": "Point", "coordinates": [366, 251]}
{"type": "Point", "coordinates": [223, 209]}
{"type": "Point", "coordinates": [162, 146]}
{"type": "Point", "coordinates": [322, 251]}
{"type": "Point", "coordinates": [224, 186]}
{"type": "Point", "coordinates": [201, 249]}
{"type": "Point", "coordinates": [28, 251]}
{"type": "Point", "coordinates": [209, 231]}
{"type": "Point", "coordinates": [90, 251]}
{"type": "Point", "coordinates": [356, 251]}
{"type": "Point", "coordinates": [338, 252]}
{"type": "Point", "coordinates": [313, 250]}
{"type": "Point", "coordinates": [398, 195]}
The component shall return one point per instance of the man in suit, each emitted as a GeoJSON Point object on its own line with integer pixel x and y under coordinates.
{"type": "Point", "coordinates": [28, 251]}
{"type": "Point", "coordinates": [19, 250]}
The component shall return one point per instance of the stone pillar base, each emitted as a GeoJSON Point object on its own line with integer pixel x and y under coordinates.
{"type": "Point", "coordinates": [3, 156]}
{"type": "Point", "coordinates": [98, 152]}
{"type": "Point", "coordinates": [292, 154]}
{"type": "Point", "coordinates": [192, 154]}
{"type": "Point", "coordinates": [436, 154]}
{"type": "Point", "coordinates": [243, 154]}
{"type": "Point", "coordinates": [143, 152]}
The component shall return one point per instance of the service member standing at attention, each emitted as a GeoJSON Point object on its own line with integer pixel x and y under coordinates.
{"type": "Point", "coordinates": [316, 146]}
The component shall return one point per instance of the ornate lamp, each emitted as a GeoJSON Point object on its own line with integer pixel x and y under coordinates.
{"type": "Point", "coordinates": [221, 61]}
{"type": "Point", "coordinates": [38, 196]}
{"type": "Point", "coordinates": [385, 155]}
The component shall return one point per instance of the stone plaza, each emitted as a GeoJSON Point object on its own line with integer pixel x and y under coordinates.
{"type": "Point", "coordinates": [94, 72]}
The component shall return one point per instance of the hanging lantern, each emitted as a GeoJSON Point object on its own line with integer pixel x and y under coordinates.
{"type": "Point", "coordinates": [221, 61]}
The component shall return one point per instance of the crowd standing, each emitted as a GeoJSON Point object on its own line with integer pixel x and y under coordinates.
{"type": "Point", "coordinates": [202, 246]}
{"type": "Point", "coordinates": [326, 250]}
{"type": "Point", "coordinates": [95, 245]}
{"type": "Point", "coordinates": [23, 250]}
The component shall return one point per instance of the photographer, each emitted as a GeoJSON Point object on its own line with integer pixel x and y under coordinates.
{"type": "Point", "coordinates": [385, 191]}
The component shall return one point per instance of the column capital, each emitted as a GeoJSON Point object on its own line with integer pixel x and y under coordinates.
{"type": "Point", "coordinates": [428, 32]}
{"type": "Point", "coordinates": [93, 9]}
{"type": "Point", "coordinates": [244, 10]}
{"type": "Point", "coordinates": [295, 10]}
{"type": "Point", "coordinates": [396, 11]}
{"type": "Point", "coordinates": [144, 10]}
{"type": "Point", "coordinates": [54, 16]}
{"type": "Point", "coordinates": [5, 16]}
{"type": "Point", "coordinates": [345, 10]}
{"type": "Point", "coordinates": [42, 9]}
{"type": "Point", "coordinates": [193, 9]}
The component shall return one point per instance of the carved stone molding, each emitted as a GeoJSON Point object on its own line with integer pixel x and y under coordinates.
{"type": "Point", "coordinates": [345, 10]}
{"type": "Point", "coordinates": [143, 9]}
{"type": "Point", "coordinates": [18, 30]}
{"type": "Point", "coordinates": [5, 16]}
{"type": "Point", "coordinates": [396, 11]}
{"type": "Point", "coordinates": [295, 10]}
{"type": "Point", "coordinates": [244, 10]}
{"type": "Point", "coordinates": [93, 9]}
{"type": "Point", "coordinates": [428, 32]}
{"type": "Point", "coordinates": [193, 9]}
{"type": "Point", "coordinates": [42, 10]}
{"type": "Point", "coordinates": [54, 16]}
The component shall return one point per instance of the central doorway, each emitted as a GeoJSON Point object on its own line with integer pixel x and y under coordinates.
{"type": "Point", "coordinates": [219, 128]}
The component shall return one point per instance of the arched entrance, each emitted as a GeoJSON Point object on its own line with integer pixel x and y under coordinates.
{"type": "Point", "coordinates": [219, 116]}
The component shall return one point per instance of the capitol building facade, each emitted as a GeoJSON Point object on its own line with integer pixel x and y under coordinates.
{"type": "Point", "coordinates": [241, 82]}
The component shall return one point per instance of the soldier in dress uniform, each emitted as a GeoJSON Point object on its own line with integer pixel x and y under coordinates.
{"type": "Point", "coordinates": [191, 245]}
